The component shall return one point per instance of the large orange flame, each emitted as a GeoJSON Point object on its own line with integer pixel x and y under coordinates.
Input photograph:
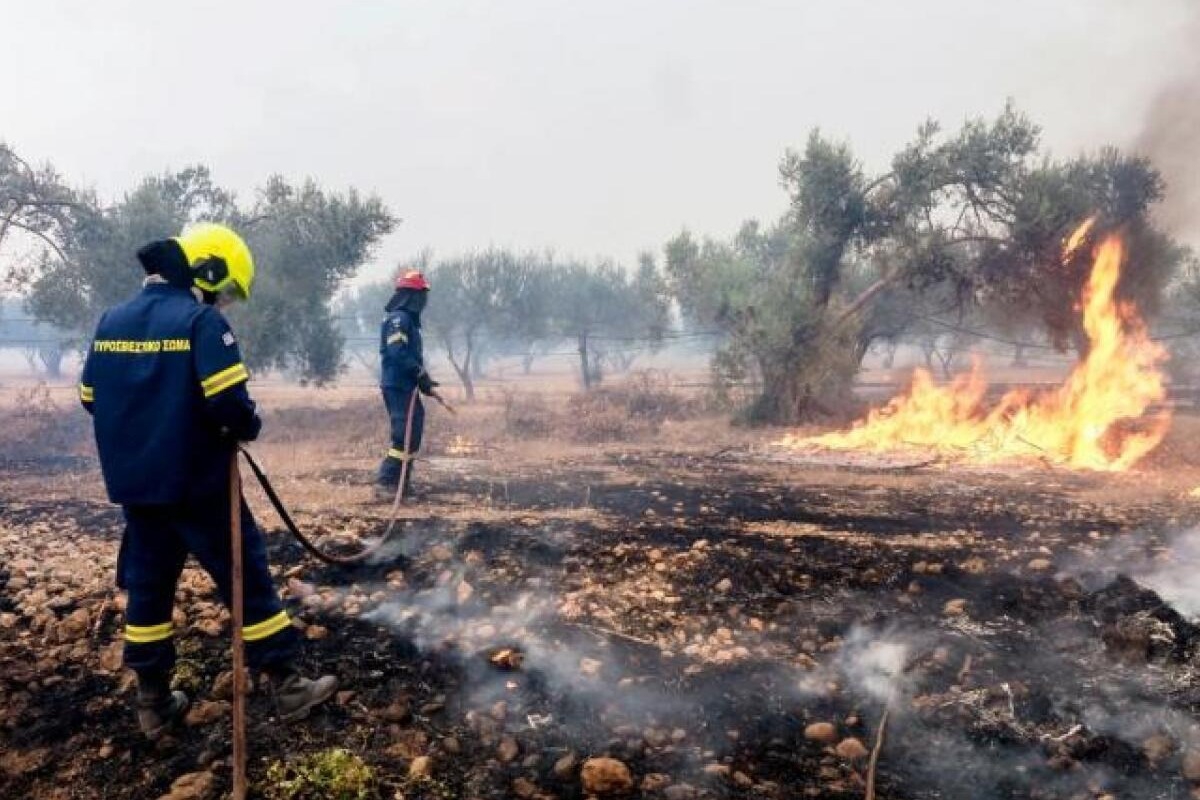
{"type": "Point", "coordinates": [1101, 418]}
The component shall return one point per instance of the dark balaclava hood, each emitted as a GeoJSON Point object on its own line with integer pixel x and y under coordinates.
{"type": "Point", "coordinates": [410, 300]}
{"type": "Point", "coordinates": [166, 258]}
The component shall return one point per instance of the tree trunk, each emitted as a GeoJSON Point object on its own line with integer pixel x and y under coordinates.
{"type": "Point", "coordinates": [889, 354]}
{"type": "Point", "coordinates": [585, 367]}
{"type": "Point", "coordinates": [624, 361]}
{"type": "Point", "coordinates": [463, 370]}
{"type": "Point", "coordinates": [947, 360]}
{"type": "Point", "coordinates": [52, 356]}
{"type": "Point", "coordinates": [791, 395]}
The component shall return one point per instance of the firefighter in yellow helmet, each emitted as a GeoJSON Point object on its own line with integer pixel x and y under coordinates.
{"type": "Point", "coordinates": [166, 386]}
{"type": "Point", "coordinates": [221, 265]}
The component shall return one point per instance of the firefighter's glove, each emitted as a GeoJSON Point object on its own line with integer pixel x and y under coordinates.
{"type": "Point", "coordinates": [426, 384]}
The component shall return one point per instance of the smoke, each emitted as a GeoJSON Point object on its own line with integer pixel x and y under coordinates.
{"type": "Point", "coordinates": [1170, 137]}
{"type": "Point", "coordinates": [1172, 574]}
{"type": "Point", "coordinates": [462, 612]}
{"type": "Point", "coordinates": [874, 663]}
{"type": "Point", "coordinates": [1167, 566]}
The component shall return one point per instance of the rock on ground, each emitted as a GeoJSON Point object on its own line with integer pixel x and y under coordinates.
{"type": "Point", "coordinates": [606, 776]}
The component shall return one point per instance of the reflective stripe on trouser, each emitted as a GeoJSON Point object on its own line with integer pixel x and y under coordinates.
{"type": "Point", "coordinates": [156, 544]}
{"type": "Point", "coordinates": [396, 401]}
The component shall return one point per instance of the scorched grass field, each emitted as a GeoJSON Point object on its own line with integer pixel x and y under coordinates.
{"type": "Point", "coordinates": [622, 595]}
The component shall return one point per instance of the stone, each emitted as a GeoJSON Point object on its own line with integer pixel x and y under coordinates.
{"type": "Point", "coordinates": [955, 608]}
{"type": "Point", "coordinates": [112, 657]}
{"type": "Point", "coordinates": [299, 589]}
{"type": "Point", "coordinates": [1039, 565]}
{"type": "Point", "coordinates": [464, 593]}
{"type": "Point", "coordinates": [1158, 748]}
{"type": "Point", "coordinates": [605, 776]}
{"type": "Point", "coordinates": [508, 749]}
{"type": "Point", "coordinates": [421, 767]}
{"type": "Point", "coordinates": [974, 566]}
{"type": "Point", "coordinates": [852, 749]}
{"type": "Point", "coordinates": [1191, 765]}
{"type": "Point", "coordinates": [564, 768]}
{"type": "Point", "coordinates": [655, 782]}
{"type": "Point", "coordinates": [400, 710]}
{"type": "Point", "coordinates": [192, 786]}
{"type": "Point", "coordinates": [821, 732]}
{"type": "Point", "coordinates": [223, 685]}
{"type": "Point", "coordinates": [207, 712]}
{"type": "Point", "coordinates": [524, 788]}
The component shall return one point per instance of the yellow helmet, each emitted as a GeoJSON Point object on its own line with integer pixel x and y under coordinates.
{"type": "Point", "coordinates": [220, 258]}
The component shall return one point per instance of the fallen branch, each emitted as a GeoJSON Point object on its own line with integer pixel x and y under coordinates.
{"type": "Point", "coordinates": [873, 764]}
{"type": "Point", "coordinates": [615, 634]}
{"type": "Point", "coordinates": [100, 616]}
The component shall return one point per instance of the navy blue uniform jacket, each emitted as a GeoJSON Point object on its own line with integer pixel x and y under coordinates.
{"type": "Point", "coordinates": [165, 382]}
{"type": "Point", "coordinates": [401, 350]}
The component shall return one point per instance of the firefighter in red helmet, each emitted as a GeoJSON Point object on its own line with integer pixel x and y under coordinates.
{"type": "Point", "coordinates": [403, 378]}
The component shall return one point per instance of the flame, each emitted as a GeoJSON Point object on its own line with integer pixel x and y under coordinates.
{"type": "Point", "coordinates": [460, 445]}
{"type": "Point", "coordinates": [1099, 419]}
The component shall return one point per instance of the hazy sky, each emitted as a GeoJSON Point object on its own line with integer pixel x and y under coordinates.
{"type": "Point", "coordinates": [593, 128]}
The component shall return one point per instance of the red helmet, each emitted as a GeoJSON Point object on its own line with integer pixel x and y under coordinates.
{"type": "Point", "coordinates": [412, 279]}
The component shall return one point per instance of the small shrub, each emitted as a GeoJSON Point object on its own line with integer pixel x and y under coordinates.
{"type": "Point", "coordinates": [603, 416]}
{"type": "Point", "coordinates": [527, 416]}
{"type": "Point", "coordinates": [334, 774]}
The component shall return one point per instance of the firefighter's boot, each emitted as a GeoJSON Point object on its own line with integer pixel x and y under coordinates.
{"type": "Point", "coordinates": [296, 695]}
{"type": "Point", "coordinates": [386, 492]}
{"type": "Point", "coordinates": [158, 708]}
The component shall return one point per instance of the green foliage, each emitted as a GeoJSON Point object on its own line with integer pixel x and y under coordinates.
{"type": "Point", "coordinates": [34, 204]}
{"type": "Point", "coordinates": [482, 299]}
{"type": "Point", "coordinates": [607, 312]}
{"type": "Point", "coordinates": [498, 300]}
{"type": "Point", "coordinates": [977, 217]}
{"type": "Point", "coordinates": [99, 268]}
{"type": "Point", "coordinates": [306, 242]}
{"type": "Point", "coordinates": [334, 774]}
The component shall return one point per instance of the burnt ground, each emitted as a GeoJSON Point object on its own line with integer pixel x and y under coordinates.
{"type": "Point", "coordinates": [694, 616]}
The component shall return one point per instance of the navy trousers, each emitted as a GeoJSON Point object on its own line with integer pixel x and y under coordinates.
{"type": "Point", "coordinates": [397, 400]}
{"type": "Point", "coordinates": [156, 544]}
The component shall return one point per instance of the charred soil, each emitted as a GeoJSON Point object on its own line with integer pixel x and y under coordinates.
{"type": "Point", "coordinates": [721, 625]}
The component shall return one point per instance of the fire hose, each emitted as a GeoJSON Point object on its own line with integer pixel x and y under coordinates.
{"type": "Point", "coordinates": [368, 552]}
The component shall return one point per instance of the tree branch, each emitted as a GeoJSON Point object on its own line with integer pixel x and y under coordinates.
{"type": "Point", "coordinates": [867, 295]}
{"type": "Point", "coordinates": [38, 234]}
